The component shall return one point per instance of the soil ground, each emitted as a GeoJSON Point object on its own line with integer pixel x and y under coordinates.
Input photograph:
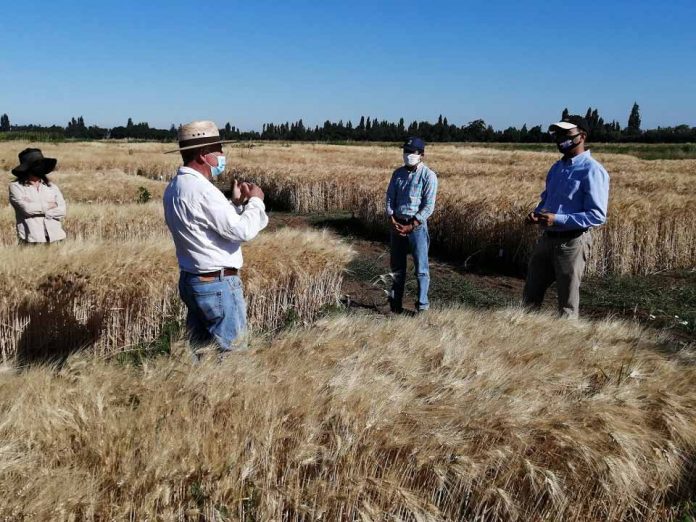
{"type": "Point", "coordinates": [665, 301]}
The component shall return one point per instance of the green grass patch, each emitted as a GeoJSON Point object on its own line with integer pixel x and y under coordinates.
{"type": "Point", "coordinates": [171, 331]}
{"type": "Point", "coordinates": [665, 300]}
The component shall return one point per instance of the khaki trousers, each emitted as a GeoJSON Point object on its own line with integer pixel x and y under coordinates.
{"type": "Point", "coordinates": [561, 260]}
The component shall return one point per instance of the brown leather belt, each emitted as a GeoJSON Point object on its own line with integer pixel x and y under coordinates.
{"type": "Point", "coordinates": [207, 277]}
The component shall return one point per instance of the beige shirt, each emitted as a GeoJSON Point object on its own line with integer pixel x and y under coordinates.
{"type": "Point", "coordinates": [36, 222]}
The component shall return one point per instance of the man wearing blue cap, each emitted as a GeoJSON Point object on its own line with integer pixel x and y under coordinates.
{"type": "Point", "coordinates": [573, 203]}
{"type": "Point", "coordinates": [410, 202]}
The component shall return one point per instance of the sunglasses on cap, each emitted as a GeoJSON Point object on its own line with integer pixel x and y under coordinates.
{"type": "Point", "coordinates": [562, 134]}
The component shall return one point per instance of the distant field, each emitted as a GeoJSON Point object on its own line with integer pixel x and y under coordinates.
{"type": "Point", "coordinates": [646, 151]}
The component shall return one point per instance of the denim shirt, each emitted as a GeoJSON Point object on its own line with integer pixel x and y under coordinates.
{"type": "Point", "coordinates": [577, 192]}
{"type": "Point", "coordinates": [412, 193]}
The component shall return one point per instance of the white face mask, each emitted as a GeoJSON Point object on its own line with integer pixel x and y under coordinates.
{"type": "Point", "coordinates": [216, 170]}
{"type": "Point", "coordinates": [411, 160]}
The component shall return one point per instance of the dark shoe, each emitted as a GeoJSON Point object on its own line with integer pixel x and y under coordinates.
{"type": "Point", "coordinates": [395, 308]}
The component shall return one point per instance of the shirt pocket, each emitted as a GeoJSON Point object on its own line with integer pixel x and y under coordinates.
{"type": "Point", "coordinates": [414, 192]}
{"type": "Point", "coordinates": [209, 303]}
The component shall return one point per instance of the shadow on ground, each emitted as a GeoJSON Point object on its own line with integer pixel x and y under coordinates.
{"type": "Point", "coordinates": [54, 332]}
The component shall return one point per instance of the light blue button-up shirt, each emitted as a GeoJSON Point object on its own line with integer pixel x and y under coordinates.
{"type": "Point", "coordinates": [412, 193]}
{"type": "Point", "coordinates": [577, 192]}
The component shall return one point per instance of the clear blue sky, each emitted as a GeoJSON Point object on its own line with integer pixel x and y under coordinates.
{"type": "Point", "coordinates": [250, 62]}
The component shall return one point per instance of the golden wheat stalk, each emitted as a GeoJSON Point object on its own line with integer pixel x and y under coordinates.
{"type": "Point", "coordinates": [458, 416]}
{"type": "Point", "coordinates": [111, 295]}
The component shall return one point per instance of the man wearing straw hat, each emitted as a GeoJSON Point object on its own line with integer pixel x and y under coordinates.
{"type": "Point", "coordinates": [574, 201]}
{"type": "Point", "coordinates": [208, 232]}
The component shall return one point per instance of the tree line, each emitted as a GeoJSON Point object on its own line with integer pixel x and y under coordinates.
{"type": "Point", "coordinates": [367, 129]}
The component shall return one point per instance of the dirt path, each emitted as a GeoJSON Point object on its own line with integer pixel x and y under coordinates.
{"type": "Point", "coordinates": [367, 281]}
{"type": "Point", "coordinates": [368, 275]}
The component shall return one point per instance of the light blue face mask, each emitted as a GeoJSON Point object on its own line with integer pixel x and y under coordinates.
{"type": "Point", "coordinates": [219, 169]}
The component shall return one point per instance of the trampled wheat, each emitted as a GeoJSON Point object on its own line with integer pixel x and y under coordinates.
{"type": "Point", "coordinates": [454, 416]}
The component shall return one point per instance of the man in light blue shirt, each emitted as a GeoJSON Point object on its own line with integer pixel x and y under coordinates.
{"type": "Point", "coordinates": [410, 202]}
{"type": "Point", "coordinates": [573, 203]}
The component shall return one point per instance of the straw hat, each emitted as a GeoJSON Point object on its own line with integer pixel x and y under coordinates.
{"type": "Point", "coordinates": [198, 134]}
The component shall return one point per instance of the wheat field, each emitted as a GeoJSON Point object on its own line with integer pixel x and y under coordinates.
{"type": "Point", "coordinates": [453, 415]}
{"type": "Point", "coordinates": [457, 416]}
{"type": "Point", "coordinates": [112, 286]}
{"type": "Point", "coordinates": [109, 296]}
{"type": "Point", "coordinates": [483, 196]}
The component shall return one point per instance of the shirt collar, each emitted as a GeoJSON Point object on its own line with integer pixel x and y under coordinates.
{"type": "Point", "coordinates": [580, 158]}
{"type": "Point", "coordinates": [418, 168]}
{"type": "Point", "coordinates": [188, 170]}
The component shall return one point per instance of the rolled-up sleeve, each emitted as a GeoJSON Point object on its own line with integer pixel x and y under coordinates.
{"type": "Point", "coordinates": [229, 224]}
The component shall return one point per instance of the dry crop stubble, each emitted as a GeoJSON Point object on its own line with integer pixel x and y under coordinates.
{"type": "Point", "coordinates": [111, 186]}
{"type": "Point", "coordinates": [146, 159]}
{"type": "Point", "coordinates": [460, 415]}
{"type": "Point", "coordinates": [109, 295]}
{"type": "Point", "coordinates": [112, 221]}
{"type": "Point", "coordinates": [484, 194]}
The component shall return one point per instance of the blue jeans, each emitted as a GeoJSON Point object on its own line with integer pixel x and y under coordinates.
{"type": "Point", "coordinates": [216, 310]}
{"type": "Point", "coordinates": [418, 242]}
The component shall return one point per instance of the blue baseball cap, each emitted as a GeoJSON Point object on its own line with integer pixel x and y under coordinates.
{"type": "Point", "coordinates": [414, 144]}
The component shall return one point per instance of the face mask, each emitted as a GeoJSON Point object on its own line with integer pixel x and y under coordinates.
{"type": "Point", "coordinates": [215, 171]}
{"type": "Point", "coordinates": [411, 160]}
{"type": "Point", "coordinates": [568, 144]}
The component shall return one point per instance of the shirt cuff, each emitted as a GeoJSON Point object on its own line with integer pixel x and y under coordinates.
{"type": "Point", "coordinates": [256, 202]}
{"type": "Point", "coordinates": [560, 219]}
{"type": "Point", "coordinates": [390, 212]}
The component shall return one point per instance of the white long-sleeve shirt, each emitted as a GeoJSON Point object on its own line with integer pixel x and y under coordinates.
{"type": "Point", "coordinates": [207, 229]}
{"type": "Point", "coordinates": [36, 222]}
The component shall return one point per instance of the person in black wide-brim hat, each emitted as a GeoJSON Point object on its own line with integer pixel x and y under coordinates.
{"type": "Point", "coordinates": [39, 205]}
{"type": "Point", "coordinates": [32, 161]}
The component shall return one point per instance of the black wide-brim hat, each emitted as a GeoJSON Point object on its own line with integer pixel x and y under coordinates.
{"type": "Point", "coordinates": [32, 161]}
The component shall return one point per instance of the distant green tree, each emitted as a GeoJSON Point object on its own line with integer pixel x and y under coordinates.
{"type": "Point", "coordinates": [445, 132]}
{"type": "Point", "coordinates": [588, 114]}
{"type": "Point", "coordinates": [565, 114]}
{"type": "Point", "coordinates": [4, 123]}
{"type": "Point", "coordinates": [634, 119]}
